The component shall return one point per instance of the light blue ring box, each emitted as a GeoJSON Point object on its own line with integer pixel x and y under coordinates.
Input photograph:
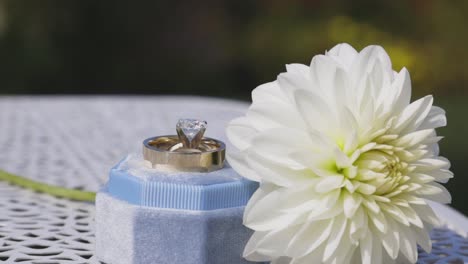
{"type": "Point", "coordinates": [192, 218]}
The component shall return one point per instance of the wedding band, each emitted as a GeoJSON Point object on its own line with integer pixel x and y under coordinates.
{"type": "Point", "coordinates": [188, 151]}
{"type": "Point", "coordinates": [168, 153]}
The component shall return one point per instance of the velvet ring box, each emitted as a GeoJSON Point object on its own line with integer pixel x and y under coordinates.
{"type": "Point", "coordinates": [149, 216]}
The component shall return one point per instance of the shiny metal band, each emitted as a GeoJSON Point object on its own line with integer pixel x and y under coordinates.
{"type": "Point", "coordinates": [169, 154]}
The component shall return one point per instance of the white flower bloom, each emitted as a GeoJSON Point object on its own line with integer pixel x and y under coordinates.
{"type": "Point", "coordinates": [345, 162]}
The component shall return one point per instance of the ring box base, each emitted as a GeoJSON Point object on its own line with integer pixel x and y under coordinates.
{"type": "Point", "coordinates": [127, 233]}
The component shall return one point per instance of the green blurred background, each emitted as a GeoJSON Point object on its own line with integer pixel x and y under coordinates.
{"type": "Point", "coordinates": [227, 48]}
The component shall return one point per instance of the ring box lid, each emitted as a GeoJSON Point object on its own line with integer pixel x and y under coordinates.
{"type": "Point", "coordinates": [138, 185]}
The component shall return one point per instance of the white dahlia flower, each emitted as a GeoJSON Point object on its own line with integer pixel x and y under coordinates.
{"type": "Point", "coordinates": [345, 162]}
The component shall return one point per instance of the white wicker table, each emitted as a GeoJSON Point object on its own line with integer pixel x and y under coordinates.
{"type": "Point", "coordinates": [73, 141]}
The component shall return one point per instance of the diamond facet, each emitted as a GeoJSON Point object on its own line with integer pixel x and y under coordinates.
{"type": "Point", "coordinates": [191, 131]}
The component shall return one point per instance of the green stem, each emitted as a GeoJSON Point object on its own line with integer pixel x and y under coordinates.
{"type": "Point", "coordinates": [45, 188]}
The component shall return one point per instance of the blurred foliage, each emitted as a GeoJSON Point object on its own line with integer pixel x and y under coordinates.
{"type": "Point", "coordinates": [454, 146]}
{"type": "Point", "coordinates": [227, 48]}
{"type": "Point", "coordinates": [221, 48]}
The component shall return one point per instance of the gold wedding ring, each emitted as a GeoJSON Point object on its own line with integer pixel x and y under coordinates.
{"type": "Point", "coordinates": [188, 151]}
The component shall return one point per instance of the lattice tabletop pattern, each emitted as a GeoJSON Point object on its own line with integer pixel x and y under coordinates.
{"type": "Point", "coordinates": [73, 141]}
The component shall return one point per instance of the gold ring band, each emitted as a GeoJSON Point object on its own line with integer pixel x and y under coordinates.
{"type": "Point", "coordinates": [168, 153]}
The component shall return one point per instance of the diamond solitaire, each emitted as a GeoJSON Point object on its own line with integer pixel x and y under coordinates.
{"type": "Point", "coordinates": [190, 132]}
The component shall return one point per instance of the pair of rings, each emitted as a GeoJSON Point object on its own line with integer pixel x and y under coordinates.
{"type": "Point", "coordinates": [187, 151]}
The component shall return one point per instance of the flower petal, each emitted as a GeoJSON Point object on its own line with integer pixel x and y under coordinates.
{"type": "Point", "coordinates": [372, 59]}
{"type": "Point", "coordinates": [264, 211]}
{"type": "Point", "coordinates": [278, 173]}
{"type": "Point", "coordinates": [412, 139]}
{"type": "Point", "coordinates": [282, 260]}
{"type": "Point", "coordinates": [343, 53]}
{"type": "Point", "coordinates": [427, 214]}
{"type": "Point", "coordinates": [237, 161]}
{"type": "Point", "coordinates": [441, 175]}
{"type": "Point", "coordinates": [315, 111]}
{"type": "Point", "coordinates": [275, 144]}
{"type": "Point", "coordinates": [412, 217]}
{"type": "Point", "coordinates": [379, 221]}
{"type": "Point", "coordinates": [423, 239]}
{"type": "Point", "coordinates": [377, 253]}
{"type": "Point", "coordinates": [391, 239]}
{"type": "Point", "coordinates": [329, 183]}
{"type": "Point", "coordinates": [250, 250]}
{"type": "Point", "coordinates": [395, 212]}
{"type": "Point", "coordinates": [309, 237]}
{"type": "Point", "coordinates": [398, 96]}
{"type": "Point", "coordinates": [270, 240]}
{"type": "Point", "coordinates": [262, 116]}
{"type": "Point", "coordinates": [240, 132]}
{"type": "Point", "coordinates": [366, 249]}
{"type": "Point", "coordinates": [435, 192]}
{"type": "Point", "coordinates": [412, 116]}
{"type": "Point", "coordinates": [312, 257]}
{"type": "Point", "coordinates": [434, 119]}
{"type": "Point", "coordinates": [352, 202]}
{"type": "Point", "coordinates": [339, 227]}
{"type": "Point", "coordinates": [291, 81]}
{"type": "Point", "coordinates": [431, 164]}
{"type": "Point", "coordinates": [408, 245]}
{"type": "Point", "coordinates": [300, 69]}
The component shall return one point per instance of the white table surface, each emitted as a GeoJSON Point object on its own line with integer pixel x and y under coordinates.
{"type": "Point", "coordinates": [73, 141]}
